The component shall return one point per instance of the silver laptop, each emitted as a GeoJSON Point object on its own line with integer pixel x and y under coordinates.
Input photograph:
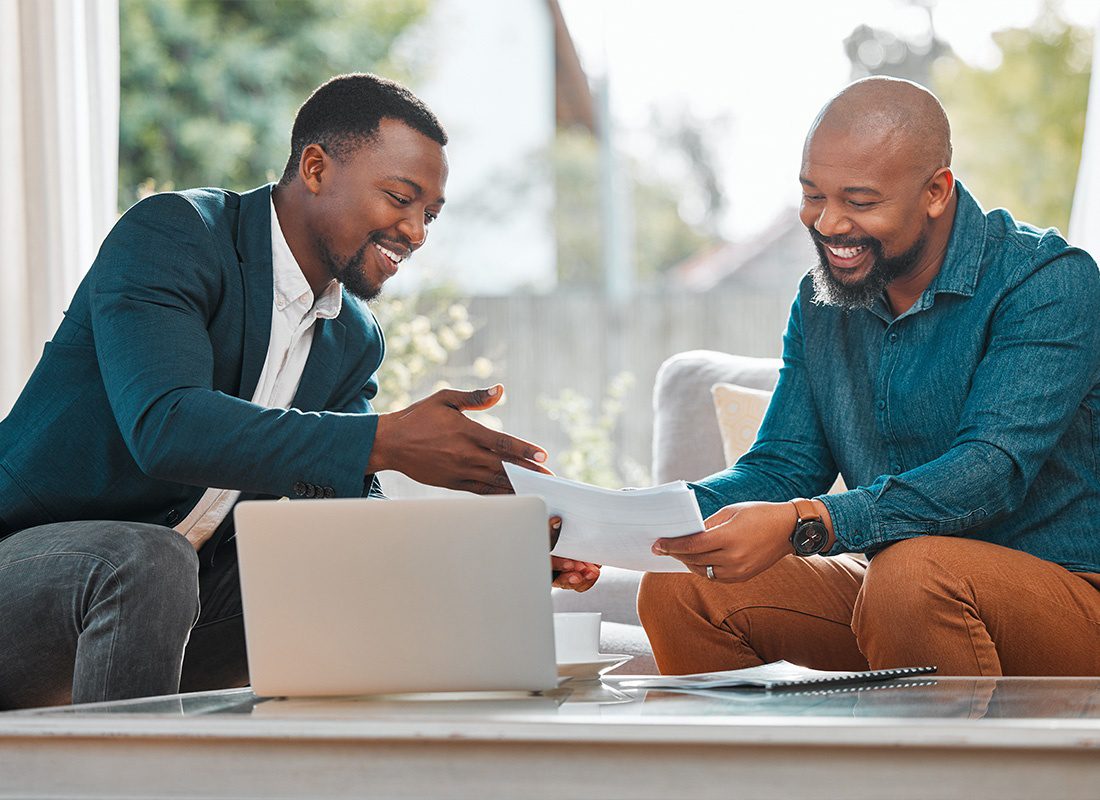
{"type": "Point", "coordinates": [357, 596]}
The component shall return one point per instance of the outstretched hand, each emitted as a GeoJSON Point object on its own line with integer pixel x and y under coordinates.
{"type": "Point", "coordinates": [434, 442]}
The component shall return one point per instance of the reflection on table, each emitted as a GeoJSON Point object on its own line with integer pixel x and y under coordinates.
{"type": "Point", "coordinates": [914, 698]}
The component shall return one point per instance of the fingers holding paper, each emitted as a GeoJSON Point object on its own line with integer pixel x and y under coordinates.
{"type": "Point", "coordinates": [613, 527]}
{"type": "Point", "coordinates": [738, 542]}
{"type": "Point", "coordinates": [569, 573]}
{"type": "Point", "coordinates": [580, 576]}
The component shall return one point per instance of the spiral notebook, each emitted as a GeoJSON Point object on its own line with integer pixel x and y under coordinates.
{"type": "Point", "coordinates": [777, 675]}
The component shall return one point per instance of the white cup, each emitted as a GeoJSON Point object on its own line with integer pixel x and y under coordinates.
{"type": "Point", "coordinates": [577, 636]}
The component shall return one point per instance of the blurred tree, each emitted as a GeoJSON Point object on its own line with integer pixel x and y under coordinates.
{"type": "Point", "coordinates": [662, 236]}
{"type": "Point", "coordinates": [693, 139]}
{"type": "Point", "coordinates": [1018, 128]}
{"type": "Point", "coordinates": [688, 149]}
{"type": "Point", "coordinates": [590, 456]}
{"type": "Point", "coordinates": [210, 87]}
{"type": "Point", "coordinates": [873, 51]}
{"type": "Point", "coordinates": [423, 330]}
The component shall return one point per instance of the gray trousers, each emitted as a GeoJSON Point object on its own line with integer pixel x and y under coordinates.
{"type": "Point", "coordinates": [95, 610]}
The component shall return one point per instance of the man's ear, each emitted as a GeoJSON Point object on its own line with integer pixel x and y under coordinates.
{"type": "Point", "coordinates": [940, 188]}
{"type": "Point", "coordinates": [313, 166]}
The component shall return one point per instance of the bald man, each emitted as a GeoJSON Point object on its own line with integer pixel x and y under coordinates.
{"type": "Point", "coordinates": [946, 362]}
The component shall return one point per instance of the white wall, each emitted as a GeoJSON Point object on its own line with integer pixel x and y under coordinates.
{"type": "Point", "coordinates": [1084, 221]}
{"type": "Point", "coordinates": [59, 99]}
{"type": "Point", "coordinates": [489, 77]}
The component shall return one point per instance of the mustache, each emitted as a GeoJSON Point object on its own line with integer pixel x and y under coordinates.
{"type": "Point", "coordinates": [841, 241]}
{"type": "Point", "coordinates": [401, 246]}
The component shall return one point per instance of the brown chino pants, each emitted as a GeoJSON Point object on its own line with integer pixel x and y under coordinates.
{"type": "Point", "coordinates": [966, 606]}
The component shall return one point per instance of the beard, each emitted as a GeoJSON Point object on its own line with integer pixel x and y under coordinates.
{"type": "Point", "coordinates": [830, 290]}
{"type": "Point", "coordinates": [349, 272]}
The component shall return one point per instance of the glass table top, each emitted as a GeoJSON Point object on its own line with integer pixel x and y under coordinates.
{"type": "Point", "coordinates": [934, 699]}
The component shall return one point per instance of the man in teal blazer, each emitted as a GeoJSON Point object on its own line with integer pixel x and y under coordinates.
{"type": "Point", "coordinates": [194, 367]}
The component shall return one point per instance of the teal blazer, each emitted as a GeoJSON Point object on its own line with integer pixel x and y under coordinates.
{"type": "Point", "coordinates": [140, 402]}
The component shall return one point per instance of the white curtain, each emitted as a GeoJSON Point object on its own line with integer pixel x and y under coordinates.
{"type": "Point", "coordinates": [1084, 220]}
{"type": "Point", "coordinates": [59, 98]}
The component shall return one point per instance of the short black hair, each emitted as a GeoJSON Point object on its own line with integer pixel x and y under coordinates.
{"type": "Point", "coordinates": [344, 112]}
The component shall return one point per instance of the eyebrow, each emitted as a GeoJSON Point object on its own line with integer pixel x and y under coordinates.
{"type": "Point", "coordinates": [846, 189]}
{"type": "Point", "coordinates": [861, 190]}
{"type": "Point", "coordinates": [415, 187]}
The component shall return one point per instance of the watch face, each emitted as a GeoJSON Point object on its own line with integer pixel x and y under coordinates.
{"type": "Point", "coordinates": [809, 538]}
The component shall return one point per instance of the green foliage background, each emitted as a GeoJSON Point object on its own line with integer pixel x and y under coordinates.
{"type": "Point", "coordinates": [1018, 128]}
{"type": "Point", "coordinates": [209, 88]}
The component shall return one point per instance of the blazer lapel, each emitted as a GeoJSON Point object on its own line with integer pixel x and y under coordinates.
{"type": "Point", "coordinates": [254, 253]}
{"type": "Point", "coordinates": [322, 367]}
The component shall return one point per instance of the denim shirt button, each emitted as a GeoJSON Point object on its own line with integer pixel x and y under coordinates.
{"type": "Point", "coordinates": [893, 337]}
{"type": "Point", "coordinates": [881, 404]}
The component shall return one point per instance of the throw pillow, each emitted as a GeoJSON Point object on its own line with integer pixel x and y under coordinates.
{"type": "Point", "coordinates": [740, 411]}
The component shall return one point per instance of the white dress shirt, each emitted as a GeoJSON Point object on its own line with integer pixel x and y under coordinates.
{"type": "Point", "coordinates": [292, 317]}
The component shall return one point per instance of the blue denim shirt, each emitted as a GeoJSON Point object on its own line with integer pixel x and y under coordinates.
{"type": "Point", "coordinates": [975, 413]}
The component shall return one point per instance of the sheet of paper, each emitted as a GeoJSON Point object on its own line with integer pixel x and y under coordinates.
{"type": "Point", "coordinates": [614, 527]}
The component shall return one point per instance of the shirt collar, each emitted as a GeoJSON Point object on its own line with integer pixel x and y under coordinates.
{"type": "Point", "coordinates": [290, 283]}
{"type": "Point", "coordinates": [962, 261]}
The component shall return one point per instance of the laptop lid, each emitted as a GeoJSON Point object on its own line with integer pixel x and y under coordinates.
{"type": "Point", "coordinates": [358, 596]}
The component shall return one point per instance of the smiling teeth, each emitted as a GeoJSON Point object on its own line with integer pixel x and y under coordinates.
{"type": "Point", "coordinates": [392, 256]}
{"type": "Point", "coordinates": [846, 252]}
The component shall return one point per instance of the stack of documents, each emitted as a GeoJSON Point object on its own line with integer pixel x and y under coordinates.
{"type": "Point", "coordinates": [614, 527]}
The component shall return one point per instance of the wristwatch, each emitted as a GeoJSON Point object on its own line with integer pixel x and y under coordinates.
{"type": "Point", "coordinates": [810, 534]}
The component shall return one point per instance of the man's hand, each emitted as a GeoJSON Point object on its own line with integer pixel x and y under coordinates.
{"type": "Point", "coordinates": [738, 541]}
{"type": "Point", "coordinates": [433, 441]}
{"type": "Point", "coordinates": [580, 576]}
